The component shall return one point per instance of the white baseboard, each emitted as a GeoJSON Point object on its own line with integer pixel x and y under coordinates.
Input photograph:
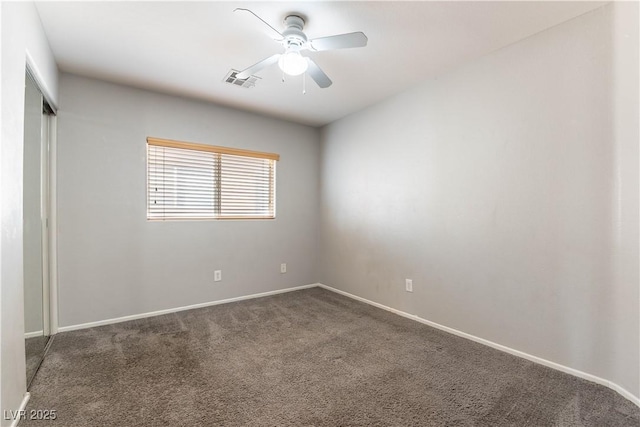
{"type": "Point", "coordinates": [177, 309]}
{"type": "Point", "coordinates": [22, 407]}
{"type": "Point", "coordinates": [33, 334]}
{"type": "Point", "coordinates": [580, 374]}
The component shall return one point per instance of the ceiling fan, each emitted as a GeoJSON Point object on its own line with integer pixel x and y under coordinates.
{"type": "Point", "coordinates": [294, 41]}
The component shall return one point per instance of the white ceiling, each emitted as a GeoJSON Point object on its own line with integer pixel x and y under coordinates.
{"type": "Point", "coordinates": [186, 48]}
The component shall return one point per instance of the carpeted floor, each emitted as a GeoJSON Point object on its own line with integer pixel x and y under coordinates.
{"type": "Point", "coordinates": [34, 350]}
{"type": "Point", "coordinates": [305, 358]}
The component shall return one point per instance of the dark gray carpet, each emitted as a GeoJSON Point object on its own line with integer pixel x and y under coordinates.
{"type": "Point", "coordinates": [306, 358]}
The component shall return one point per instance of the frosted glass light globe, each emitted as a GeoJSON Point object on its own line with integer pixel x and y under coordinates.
{"type": "Point", "coordinates": [292, 63]}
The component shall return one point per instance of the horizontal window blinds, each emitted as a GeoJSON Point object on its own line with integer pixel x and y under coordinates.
{"type": "Point", "coordinates": [197, 181]}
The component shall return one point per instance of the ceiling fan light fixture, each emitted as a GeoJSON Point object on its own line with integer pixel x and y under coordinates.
{"type": "Point", "coordinates": [292, 63]}
{"type": "Point", "coordinates": [294, 40]}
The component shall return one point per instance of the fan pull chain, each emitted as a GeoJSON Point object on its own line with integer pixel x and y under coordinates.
{"type": "Point", "coordinates": [304, 83]}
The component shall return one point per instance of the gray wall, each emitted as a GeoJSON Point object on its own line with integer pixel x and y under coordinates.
{"type": "Point", "coordinates": [508, 191]}
{"type": "Point", "coordinates": [624, 293]}
{"type": "Point", "coordinates": [22, 35]}
{"type": "Point", "coordinates": [112, 262]}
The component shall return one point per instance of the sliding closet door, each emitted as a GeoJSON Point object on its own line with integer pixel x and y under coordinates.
{"type": "Point", "coordinates": [35, 334]}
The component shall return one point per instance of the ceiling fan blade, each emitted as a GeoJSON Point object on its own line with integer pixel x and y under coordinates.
{"type": "Point", "coordinates": [271, 32]}
{"type": "Point", "coordinates": [342, 41]}
{"type": "Point", "coordinates": [317, 74]}
{"type": "Point", "coordinates": [258, 66]}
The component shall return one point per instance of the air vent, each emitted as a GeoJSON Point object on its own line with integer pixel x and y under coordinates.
{"type": "Point", "coordinates": [249, 82]}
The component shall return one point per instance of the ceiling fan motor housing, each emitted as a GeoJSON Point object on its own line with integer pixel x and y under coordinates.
{"type": "Point", "coordinates": [294, 38]}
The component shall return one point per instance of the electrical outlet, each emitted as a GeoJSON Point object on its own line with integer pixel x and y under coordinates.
{"type": "Point", "coordinates": [217, 275]}
{"type": "Point", "coordinates": [283, 268]}
{"type": "Point", "coordinates": [408, 285]}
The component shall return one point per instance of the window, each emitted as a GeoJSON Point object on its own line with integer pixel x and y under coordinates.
{"type": "Point", "coordinates": [199, 181]}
